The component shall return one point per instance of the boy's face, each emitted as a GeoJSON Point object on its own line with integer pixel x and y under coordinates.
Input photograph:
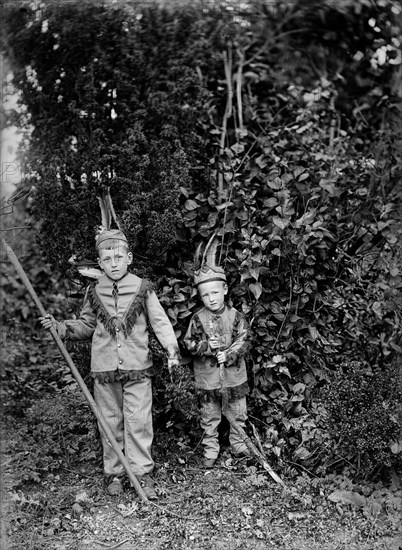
{"type": "Point", "coordinates": [115, 261]}
{"type": "Point", "coordinates": [213, 294]}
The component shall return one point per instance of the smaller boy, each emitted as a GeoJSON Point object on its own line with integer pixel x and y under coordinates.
{"type": "Point", "coordinates": [217, 335]}
{"type": "Point", "coordinates": [115, 316]}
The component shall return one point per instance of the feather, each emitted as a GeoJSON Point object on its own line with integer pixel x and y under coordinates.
{"type": "Point", "coordinates": [87, 268]}
{"type": "Point", "coordinates": [104, 208]}
{"type": "Point", "coordinates": [209, 256]}
{"type": "Point", "coordinates": [90, 272]}
{"type": "Point", "coordinates": [110, 207]}
{"type": "Point", "coordinates": [197, 256]}
{"type": "Point", "coordinates": [104, 213]}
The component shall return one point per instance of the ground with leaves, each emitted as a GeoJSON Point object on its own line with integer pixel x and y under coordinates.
{"type": "Point", "coordinates": [235, 505]}
{"type": "Point", "coordinates": [53, 498]}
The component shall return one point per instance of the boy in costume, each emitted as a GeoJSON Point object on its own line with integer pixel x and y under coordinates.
{"type": "Point", "coordinates": [217, 335]}
{"type": "Point", "coordinates": [116, 310]}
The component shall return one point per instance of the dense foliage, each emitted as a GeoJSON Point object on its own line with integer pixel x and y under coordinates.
{"type": "Point", "coordinates": [278, 130]}
{"type": "Point", "coordinates": [358, 404]}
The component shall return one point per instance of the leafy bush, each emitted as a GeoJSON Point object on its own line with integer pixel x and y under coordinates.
{"type": "Point", "coordinates": [364, 411]}
{"type": "Point", "coordinates": [60, 431]}
{"type": "Point", "coordinates": [30, 369]}
{"type": "Point", "coordinates": [277, 134]}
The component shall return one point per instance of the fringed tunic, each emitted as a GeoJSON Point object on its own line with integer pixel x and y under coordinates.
{"type": "Point", "coordinates": [230, 327]}
{"type": "Point", "coordinates": [118, 327]}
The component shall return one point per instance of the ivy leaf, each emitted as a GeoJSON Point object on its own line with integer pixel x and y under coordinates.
{"type": "Point", "coordinates": [310, 260]}
{"type": "Point", "coordinates": [254, 272]}
{"type": "Point", "coordinates": [271, 202]}
{"type": "Point", "coordinates": [280, 222]}
{"type": "Point", "coordinates": [261, 161]}
{"type": "Point", "coordinates": [302, 453]}
{"type": "Point", "coordinates": [330, 187]}
{"type": "Point", "coordinates": [285, 370]}
{"type": "Point", "coordinates": [179, 297]}
{"type": "Point", "coordinates": [224, 205]}
{"type": "Point", "coordinates": [190, 204]}
{"type": "Point", "coordinates": [238, 148]}
{"type": "Point", "coordinates": [172, 312]}
{"type": "Point", "coordinates": [275, 184]}
{"type": "Point", "coordinates": [299, 387]}
{"type": "Point", "coordinates": [396, 447]}
{"type": "Point", "coordinates": [276, 307]}
{"type": "Point", "coordinates": [256, 289]}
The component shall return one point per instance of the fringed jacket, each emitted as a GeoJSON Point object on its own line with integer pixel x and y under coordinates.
{"type": "Point", "coordinates": [116, 321]}
{"type": "Point", "coordinates": [231, 328]}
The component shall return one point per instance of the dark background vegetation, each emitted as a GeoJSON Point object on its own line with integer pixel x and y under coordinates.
{"type": "Point", "coordinates": [278, 128]}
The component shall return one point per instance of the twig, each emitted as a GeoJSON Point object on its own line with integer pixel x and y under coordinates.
{"type": "Point", "coordinates": [198, 444]}
{"type": "Point", "coordinates": [340, 460]}
{"type": "Point", "coordinates": [239, 87]}
{"type": "Point", "coordinates": [286, 315]}
{"type": "Point", "coordinates": [16, 227]}
{"type": "Point", "coordinates": [62, 500]}
{"type": "Point", "coordinates": [257, 438]}
{"type": "Point", "coordinates": [258, 420]}
{"type": "Point", "coordinates": [253, 449]}
{"type": "Point", "coordinates": [300, 466]}
{"type": "Point", "coordinates": [274, 40]}
{"type": "Point", "coordinates": [114, 546]}
{"type": "Point", "coordinates": [227, 60]}
{"type": "Point", "coordinates": [224, 219]}
{"type": "Point", "coordinates": [332, 125]}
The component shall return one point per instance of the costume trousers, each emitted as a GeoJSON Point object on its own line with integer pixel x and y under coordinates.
{"type": "Point", "coordinates": [211, 416]}
{"type": "Point", "coordinates": [127, 408]}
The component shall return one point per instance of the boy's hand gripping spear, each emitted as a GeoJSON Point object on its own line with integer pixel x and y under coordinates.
{"type": "Point", "coordinates": [102, 422]}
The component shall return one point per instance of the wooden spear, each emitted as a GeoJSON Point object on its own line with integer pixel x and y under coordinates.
{"type": "Point", "coordinates": [239, 430]}
{"type": "Point", "coordinates": [99, 416]}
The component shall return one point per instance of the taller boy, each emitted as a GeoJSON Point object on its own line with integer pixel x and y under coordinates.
{"type": "Point", "coordinates": [115, 314]}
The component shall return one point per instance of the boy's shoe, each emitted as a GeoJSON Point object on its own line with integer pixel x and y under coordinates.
{"type": "Point", "coordinates": [115, 487]}
{"type": "Point", "coordinates": [208, 463]}
{"type": "Point", "coordinates": [148, 484]}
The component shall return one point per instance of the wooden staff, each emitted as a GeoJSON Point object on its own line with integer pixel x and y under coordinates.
{"type": "Point", "coordinates": [99, 416]}
{"type": "Point", "coordinates": [239, 430]}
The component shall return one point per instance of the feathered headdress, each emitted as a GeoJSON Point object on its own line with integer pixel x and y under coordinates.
{"type": "Point", "coordinates": [206, 270]}
{"type": "Point", "coordinates": [89, 268]}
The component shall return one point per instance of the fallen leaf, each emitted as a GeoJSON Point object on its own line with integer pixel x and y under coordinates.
{"type": "Point", "coordinates": [247, 511]}
{"type": "Point", "coordinates": [347, 497]}
{"type": "Point", "coordinates": [296, 515]}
